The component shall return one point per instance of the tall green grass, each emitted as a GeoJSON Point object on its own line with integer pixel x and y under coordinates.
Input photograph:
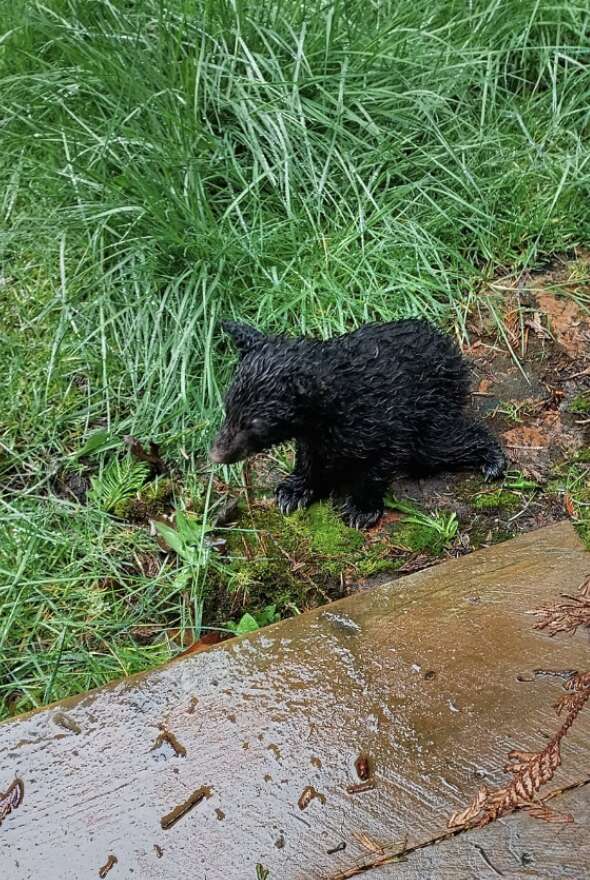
{"type": "Point", "coordinates": [305, 166]}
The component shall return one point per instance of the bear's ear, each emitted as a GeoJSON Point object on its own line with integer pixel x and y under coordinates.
{"type": "Point", "coordinates": [245, 338]}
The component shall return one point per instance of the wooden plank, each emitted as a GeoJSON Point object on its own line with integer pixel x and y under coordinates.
{"type": "Point", "coordinates": [422, 675]}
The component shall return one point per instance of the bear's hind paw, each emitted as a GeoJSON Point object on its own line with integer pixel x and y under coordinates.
{"type": "Point", "coordinates": [494, 468]}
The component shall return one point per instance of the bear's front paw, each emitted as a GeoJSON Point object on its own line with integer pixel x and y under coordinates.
{"type": "Point", "coordinates": [293, 494]}
{"type": "Point", "coordinates": [359, 518]}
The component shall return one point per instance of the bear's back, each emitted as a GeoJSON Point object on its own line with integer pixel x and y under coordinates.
{"type": "Point", "coordinates": [409, 360]}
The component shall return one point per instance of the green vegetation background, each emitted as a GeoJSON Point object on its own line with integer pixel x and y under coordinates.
{"type": "Point", "coordinates": [306, 166]}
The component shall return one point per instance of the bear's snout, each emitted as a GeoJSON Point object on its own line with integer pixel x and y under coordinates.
{"type": "Point", "coordinates": [216, 454]}
{"type": "Point", "coordinates": [228, 449]}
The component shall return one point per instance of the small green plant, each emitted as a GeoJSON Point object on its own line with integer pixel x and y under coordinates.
{"type": "Point", "coordinates": [98, 441]}
{"type": "Point", "coordinates": [445, 525]}
{"type": "Point", "coordinates": [515, 480]}
{"type": "Point", "coordinates": [262, 873]}
{"type": "Point", "coordinates": [251, 622]}
{"type": "Point", "coordinates": [283, 456]}
{"type": "Point", "coordinates": [188, 539]}
{"type": "Point", "coordinates": [119, 481]}
{"type": "Point", "coordinates": [512, 411]}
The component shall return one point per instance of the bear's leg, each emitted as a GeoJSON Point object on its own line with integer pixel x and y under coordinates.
{"type": "Point", "coordinates": [305, 485]}
{"type": "Point", "coordinates": [461, 442]}
{"type": "Point", "coordinates": [363, 506]}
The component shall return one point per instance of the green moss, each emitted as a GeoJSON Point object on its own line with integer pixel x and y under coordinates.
{"type": "Point", "coordinates": [581, 403]}
{"type": "Point", "coordinates": [498, 499]}
{"type": "Point", "coordinates": [501, 535]}
{"type": "Point", "coordinates": [282, 558]}
{"type": "Point", "coordinates": [418, 538]}
{"type": "Point", "coordinates": [373, 564]}
{"type": "Point", "coordinates": [293, 560]}
{"type": "Point", "coordinates": [152, 499]}
{"type": "Point", "coordinates": [324, 531]}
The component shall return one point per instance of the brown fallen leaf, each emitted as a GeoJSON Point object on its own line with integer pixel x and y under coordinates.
{"type": "Point", "coordinates": [206, 641]}
{"type": "Point", "coordinates": [308, 795]}
{"type": "Point", "coordinates": [11, 798]}
{"type": "Point", "coordinates": [151, 456]}
{"type": "Point", "coordinates": [569, 324]}
{"type": "Point", "coordinates": [569, 505]}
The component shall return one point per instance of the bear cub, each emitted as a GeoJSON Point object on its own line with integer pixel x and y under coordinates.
{"type": "Point", "coordinates": [386, 399]}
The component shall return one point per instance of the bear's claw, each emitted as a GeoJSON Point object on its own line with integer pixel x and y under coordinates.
{"type": "Point", "coordinates": [360, 519]}
{"type": "Point", "coordinates": [494, 469]}
{"type": "Point", "coordinates": [293, 494]}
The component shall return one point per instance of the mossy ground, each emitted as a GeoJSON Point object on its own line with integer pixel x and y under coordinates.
{"type": "Point", "coordinates": [580, 403]}
{"type": "Point", "coordinates": [296, 561]}
{"type": "Point", "coordinates": [497, 499]}
{"type": "Point", "coordinates": [418, 538]}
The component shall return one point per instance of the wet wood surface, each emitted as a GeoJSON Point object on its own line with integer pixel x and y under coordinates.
{"type": "Point", "coordinates": [256, 752]}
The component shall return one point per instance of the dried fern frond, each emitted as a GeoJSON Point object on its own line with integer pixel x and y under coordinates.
{"type": "Point", "coordinates": [566, 616]}
{"type": "Point", "coordinates": [530, 771]}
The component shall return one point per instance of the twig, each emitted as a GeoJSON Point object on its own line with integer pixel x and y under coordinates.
{"type": "Point", "coordinates": [566, 616]}
{"type": "Point", "coordinates": [486, 859]}
{"type": "Point", "coordinates": [585, 372]}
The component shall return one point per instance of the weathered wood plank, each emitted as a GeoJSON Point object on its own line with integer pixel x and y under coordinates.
{"type": "Point", "coordinates": [422, 675]}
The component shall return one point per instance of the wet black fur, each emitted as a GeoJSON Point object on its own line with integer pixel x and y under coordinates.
{"type": "Point", "coordinates": [386, 399]}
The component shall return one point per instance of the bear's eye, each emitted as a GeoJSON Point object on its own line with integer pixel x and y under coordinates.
{"type": "Point", "coordinates": [257, 425]}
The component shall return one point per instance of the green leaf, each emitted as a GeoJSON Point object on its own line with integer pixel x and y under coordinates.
{"type": "Point", "coordinates": [191, 530]}
{"type": "Point", "coordinates": [267, 616]}
{"type": "Point", "coordinates": [99, 441]}
{"type": "Point", "coordinates": [247, 624]}
{"type": "Point", "coordinates": [172, 538]}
